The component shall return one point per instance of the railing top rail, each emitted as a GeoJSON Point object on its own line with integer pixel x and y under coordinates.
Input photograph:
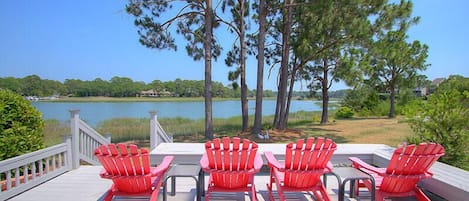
{"type": "Point", "coordinates": [24, 159]}
{"type": "Point", "coordinates": [92, 133]}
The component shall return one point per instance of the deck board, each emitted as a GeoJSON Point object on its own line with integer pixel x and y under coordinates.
{"type": "Point", "coordinates": [81, 184]}
{"type": "Point", "coordinates": [84, 184]}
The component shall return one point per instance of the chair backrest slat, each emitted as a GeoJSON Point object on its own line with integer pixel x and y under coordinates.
{"type": "Point", "coordinates": [236, 150]}
{"type": "Point", "coordinates": [245, 152]}
{"type": "Point", "coordinates": [252, 156]}
{"type": "Point", "coordinates": [226, 154]}
{"type": "Point", "coordinates": [298, 152]}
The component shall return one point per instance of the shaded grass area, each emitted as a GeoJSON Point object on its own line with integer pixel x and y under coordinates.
{"type": "Point", "coordinates": [301, 125]}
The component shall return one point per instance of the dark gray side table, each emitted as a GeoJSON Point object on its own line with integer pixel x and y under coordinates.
{"type": "Point", "coordinates": [185, 170]}
{"type": "Point", "coordinates": [346, 174]}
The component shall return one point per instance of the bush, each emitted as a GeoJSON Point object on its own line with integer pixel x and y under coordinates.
{"type": "Point", "coordinates": [344, 113]}
{"type": "Point", "coordinates": [442, 119]}
{"type": "Point", "coordinates": [21, 126]}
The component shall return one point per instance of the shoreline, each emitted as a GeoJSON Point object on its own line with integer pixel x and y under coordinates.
{"type": "Point", "coordinates": [149, 99]}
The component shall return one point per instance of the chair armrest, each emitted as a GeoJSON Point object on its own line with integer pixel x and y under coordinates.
{"type": "Point", "coordinates": [204, 163]}
{"type": "Point", "coordinates": [163, 166]}
{"type": "Point", "coordinates": [358, 163]}
{"type": "Point", "coordinates": [272, 161]}
{"type": "Point", "coordinates": [329, 167]}
{"type": "Point", "coordinates": [258, 162]}
{"type": "Point", "coordinates": [103, 174]}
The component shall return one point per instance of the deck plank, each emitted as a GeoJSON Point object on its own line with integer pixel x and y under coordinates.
{"type": "Point", "coordinates": [84, 184]}
{"type": "Point", "coordinates": [80, 184]}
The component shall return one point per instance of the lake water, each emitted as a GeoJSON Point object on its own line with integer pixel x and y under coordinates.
{"type": "Point", "coordinates": [95, 112]}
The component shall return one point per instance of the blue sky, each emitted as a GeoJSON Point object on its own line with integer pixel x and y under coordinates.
{"type": "Point", "coordinates": [90, 39]}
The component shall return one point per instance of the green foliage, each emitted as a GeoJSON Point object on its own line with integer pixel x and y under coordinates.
{"type": "Point", "coordinates": [393, 60]}
{"type": "Point", "coordinates": [117, 87]}
{"type": "Point", "coordinates": [344, 113]}
{"type": "Point", "coordinates": [443, 119]}
{"type": "Point", "coordinates": [366, 101]}
{"type": "Point", "coordinates": [316, 118]}
{"type": "Point", "coordinates": [21, 126]}
{"type": "Point", "coordinates": [362, 99]}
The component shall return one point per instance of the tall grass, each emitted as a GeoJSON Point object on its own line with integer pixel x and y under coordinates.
{"type": "Point", "coordinates": [138, 129]}
{"type": "Point", "coordinates": [53, 132]}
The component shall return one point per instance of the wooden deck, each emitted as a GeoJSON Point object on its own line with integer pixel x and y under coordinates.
{"type": "Point", "coordinates": [84, 184]}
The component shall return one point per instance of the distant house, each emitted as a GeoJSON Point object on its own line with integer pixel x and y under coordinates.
{"type": "Point", "coordinates": [421, 91]}
{"type": "Point", "coordinates": [424, 91]}
{"type": "Point", "coordinates": [436, 82]}
{"type": "Point", "coordinates": [149, 93]}
{"type": "Point", "coordinates": [154, 93]}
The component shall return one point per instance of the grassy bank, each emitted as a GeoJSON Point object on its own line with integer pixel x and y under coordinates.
{"type": "Point", "coordinates": [301, 125]}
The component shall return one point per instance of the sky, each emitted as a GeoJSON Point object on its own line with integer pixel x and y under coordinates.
{"type": "Point", "coordinates": [90, 39]}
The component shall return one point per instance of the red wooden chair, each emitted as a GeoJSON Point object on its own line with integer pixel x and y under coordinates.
{"type": "Point", "coordinates": [130, 171]}
{"type": "Point", "coordinates": [231, 166]}
{"type": "Point", "coordinates": [304, 164]}
{"type": "Point", "coordinates": [408, 165]}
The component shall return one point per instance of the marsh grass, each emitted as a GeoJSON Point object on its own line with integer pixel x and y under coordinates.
{"type": "Point", "coordinates": [356, 130]}
{"type": "Point", "coordinates": [54, 132]}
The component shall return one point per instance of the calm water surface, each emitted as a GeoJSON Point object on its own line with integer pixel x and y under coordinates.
{"type": "Point", "coordinates": [95, 112]}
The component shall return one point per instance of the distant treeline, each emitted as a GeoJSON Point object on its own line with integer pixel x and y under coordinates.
{"type": "Point", "coordinates": [33, 85]}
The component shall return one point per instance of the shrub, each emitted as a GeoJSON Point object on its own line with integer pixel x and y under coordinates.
{"type": "Point", "coordinates": [21, 126]}
{"type": "Point", "coordinates": [344, 113]}
{"type": "Point", "coordinates": [442, 119]}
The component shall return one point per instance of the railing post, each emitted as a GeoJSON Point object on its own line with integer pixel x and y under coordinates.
{"type": "Point", "coordinates": [153, 136]}
{"type": "Point", "coordinates": [108, 137]}
{"type": "Point", "coordinates": [74, 130]}
{"type": "Point", "coordinates": [67, 139]}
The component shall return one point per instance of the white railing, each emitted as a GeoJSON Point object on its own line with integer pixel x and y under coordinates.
{"type": "Point", "coordinates": [24, 172]}
{"type": "Point", "coordinates": [28, 170]}
{"type": "Point", "coordinates": [84, 141]}
{"type": "Point", "coordinates": [157, 133]}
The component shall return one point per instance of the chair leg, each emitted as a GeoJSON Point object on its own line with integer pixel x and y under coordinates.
{"type": "Point", "coordinates": [379, 197]}
{"type": "Point", "coordinates": [270, 185]}
{"type": "Point", "coordinates": [207, 193]}
{"type": "Point", "coordinates": [324, 194]}
{"type": "Point", "coordinates": [154, 195]}
{"type": "Point", "coordinates": [420, 195]}
{"type": "Point", "coordinates": [109, 195]}
{"type": "Point", "coordinates": [271, 196]}
{"type": "Point", "coordinates": [281, 196]}
{"type": "Point", "coordinates": [253, 193]}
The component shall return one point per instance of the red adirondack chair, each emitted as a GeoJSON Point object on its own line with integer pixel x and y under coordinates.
{"type": "Point", "coordinates": [408, 165]}
{"type": "Point", "coordinates": [231, 166]}
{"type": "Point", "coordinates": [304, 164]}
{"type": "Point", "coordinates": [130, 171]}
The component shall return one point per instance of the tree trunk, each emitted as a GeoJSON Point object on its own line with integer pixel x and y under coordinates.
{"type": "Point", "coordinates": [282, 89]}
{"type": "Point", "coordinates": [290, 92]}
{"type": "Point", "coordinates": [325, 94]}
{"type": "Point", "coordinates": [392, 98]}
{"type": "Point", "coordinates": [260, 68]}
{"type": "Point", "coordinates": [244, 88]}
{"type": "Point", "coordinates": [208, 70]}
